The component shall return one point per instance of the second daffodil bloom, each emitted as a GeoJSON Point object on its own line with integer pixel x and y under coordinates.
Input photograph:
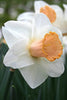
{"type": "Point", "coordinates": [53, 12]}
{"type": "Point", "coordinates": [35, 49]}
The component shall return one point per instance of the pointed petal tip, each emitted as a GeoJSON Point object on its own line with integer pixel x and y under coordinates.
{"type": "Point", "coordinates": [63, 69]}
{"type": "Point", "coordinates": [33, 86]}
{"type": "Point", "coordinates": [59, 73]}
{"type": "Point", "coordinates": [5, 62]}
{"type": "Point", "coordinates": [3, 30]}
{"type": "Point", "coordinates": [33, 75]}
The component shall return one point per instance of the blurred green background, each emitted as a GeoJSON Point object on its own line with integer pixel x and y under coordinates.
{"type": "Point", "coordinates": [12, 84]}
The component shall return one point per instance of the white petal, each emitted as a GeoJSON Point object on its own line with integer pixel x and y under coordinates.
{"type": "Point", "coordinates": [65, 40]}
{"type": "Point", "coordinates": [40, 21]}
{"type": "Point", "coordinates": [65, 6]}
{"type": "Point", "coordinates": [38, 5]}
{"type": "Point", "coordinates": [18, 56]}
{"type": "Point", "coordinates": [9, 37]}
{"type": "Point", "coordinates": [22, 29]}
{"type": "Point", "coordinates": [58, 10]}
{"type": "Point", "coordinates": [27, 16]}
{"type": "Point", "coordinates": [59, 16]}
{"type": "Point", "coordinates": [55, 68]}
{"type": "Point", "coordinates": [64, 52]}
{"type": "Point", "coordinates": [34, 75]}
{"type": "Point", "coordinates": [65, 11]}
{"type": "Point", "coordinates": [64, 27]}
{"type": "Point", "coordinates": [49, 28]}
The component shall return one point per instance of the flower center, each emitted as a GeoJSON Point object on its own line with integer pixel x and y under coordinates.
{"type": "Point", "coordinates": [49, 12]}
{"type": "Point", "coordinates": [49, 47]}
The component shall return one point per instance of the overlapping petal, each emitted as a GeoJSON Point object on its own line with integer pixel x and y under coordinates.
{"type": "Point", "coordinates": [39, 23]}
{"type": "Point", "coordinates": [51, 28]}
{"type": "Point", "coordinates": [9, 37]}
{"type": "Point", "coordinates": [22, 29]}
{"type": "Point", "coordinates": [59, 14]}
{"type": "Point", "coordinates": [55, 68]}
{"type": "Point", "coordinates": [15, 30]}
{"type": "Point", "coordinates": [18, 56]}
{"type": "Point", "coordinates": [34, 75]}
{"type": "Point", "coordinates": [27, 16]}
{"type": "Point", "coordinates": [42, 26]}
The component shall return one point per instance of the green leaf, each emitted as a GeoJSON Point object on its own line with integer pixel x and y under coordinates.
{"type": "Point", "coordinates": [3, 50]}
{"type": "Point", "coordinates": [5, 83]}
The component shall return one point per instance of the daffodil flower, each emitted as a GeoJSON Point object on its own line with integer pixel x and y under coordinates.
{"type": "Point", "coordinates": [53, 12]}
{"type": "Point", "coordinates": [34, 48]}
